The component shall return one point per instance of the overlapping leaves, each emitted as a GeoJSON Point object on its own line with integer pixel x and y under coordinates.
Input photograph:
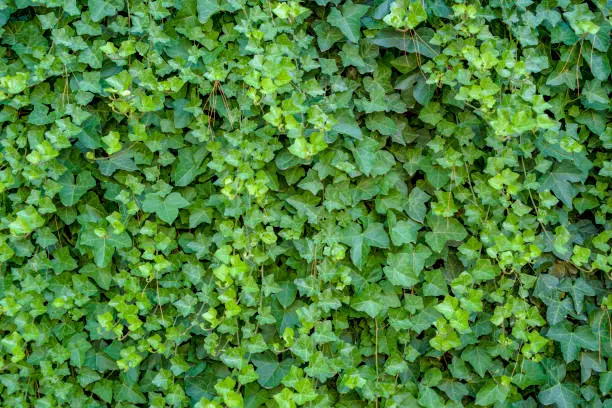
{"type": "Point", "coordinates": [305, 203]}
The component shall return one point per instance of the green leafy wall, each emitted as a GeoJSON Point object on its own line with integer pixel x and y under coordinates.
{"type": "Point", "coordinates": [244, 203]}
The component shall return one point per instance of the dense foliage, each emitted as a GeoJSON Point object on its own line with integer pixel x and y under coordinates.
{"type": "Point", "coordinates": [228, 203]}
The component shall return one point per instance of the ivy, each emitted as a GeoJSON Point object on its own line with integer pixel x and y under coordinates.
{"type": "Point", "coordinates": [322, 203]}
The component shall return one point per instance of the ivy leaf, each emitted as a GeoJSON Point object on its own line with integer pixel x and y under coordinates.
{"type": "Point", "coordinates": [167, 208]}
{"type": "Point", "coordinates": [320, 367]}
{"type": "Point", "coordinates": [590, 362]}
{"type": "Point", "coordinates": [404, 232]}
{"type": "Point", "coordinates": [531, 373]}
{"type": "Point", "coordinates": [349, 20]}
{"type": "Point", "coordinates": [78, 347]}
{"type": "Point", "coordinates": [558, 310]}
{"type": "Point", "coordinates": [104, 390]}
{"type": "Point", "coordinates": [206, 9]}
{"type": "Point", "coordinates": [128, 393]}
{"type": "Point", "coordinates": [454, 389]}
{"type": "Point", "coordinates": [561, 395]}
{"type": "Point", "coordinates": [443, 230]}
{"type": "Point", "coordinates": [347, 125]}
{"type": "Point", "coordinates": [327, 35]}
{"type": "Point", "coordinates": [27, 221]}
{"type": "Point", "coordinates": [605, 383]}
{"type": "Point", "coordinates": [270, 371]}
{"type": "Point", "coordinates": [103, 243]}
{"type": "Point", "coordinates": [403, 269]}
{"type": "Point", "coordinates": [435, 284]}
{"type": "Point", "coordinates": [188, 165]}
{"type": "Point", "coordinates": [376, 236]}
{"type": "Point", "coordinates": [369, 301]}
{"type": "Point", "coordinates": [391, 38]}
{"type": "Point", "coordinates": [600, 65]}
{"type": "Point", "coordinates": [120, 161]}
{"type": "Point", "coordinates": [416, 207]}
{"type": "Point", "coordinates": [578, 289]}
{"type": "Point", "coordinates": [429, 398]}
{"type": "Point", "coordinates": [371, 160]}
{"type": "Point", "coordinates": [99, 9]}
{"type": "Point", "coordinates": [72, 191]}
{"type": "Point", "coordinates": [559, 182]}
{"type": "Point", "coordinates": [478, 358]}
{"type": "Point", "coordinates": [572, 342]}
{"type": "Point", "coordinates": [492, 393]}
{"type": "Point", "coordinates": [432, 113]}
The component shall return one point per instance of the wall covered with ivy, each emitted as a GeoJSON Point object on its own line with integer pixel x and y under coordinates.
{"type": "Point", "coordinates": [262, 203]}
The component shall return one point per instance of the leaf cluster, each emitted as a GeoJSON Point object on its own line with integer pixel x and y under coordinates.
{"type": "Point", "coordinates": [317, 203]}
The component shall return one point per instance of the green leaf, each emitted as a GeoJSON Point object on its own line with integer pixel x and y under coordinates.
{"type": "Point", "coordinates": [443, 230]}
{"type": "Point", "coordinates": [454, 389]}
{"type": "Point", "coordinates": [578, 289]}
{"type": "Point", "coordinates": [561, 395]}
{"type": "Point", "coordinates": [349, 20]}
{"type": "Point", "coordinates": [99, 9]}
{"type": "Point", "coordinates": [432, 113]}
{"type": "Point", "coordinates": [104, 390]}
{"type": "Point", "coordinates": [559, 182]}
{"type": "Point", "coordinates": [416, 208]}
{"type": "Point", "coordinates": [429, 398]}
{"type": "Point", "coordinates": [27, 221]}
{"type": "Point", "coordinates": [557, 310]}
{"type": "Point", "coordinates": [188, 166]}
{"type": "Point", "coordinates": [270, 371]}
{"type": "Point", "coordinates": [403, 269]}
{"type": "Point", "coordinates": [166, 208]}
{"type": "Point", "coordinates": [347, 125]}
{"type": "Point", "coordinates": [531, 373]}
{"type": "Point", "coordinates": [492, 393]}
{"type": "Point", "coordinates": [599, 64]}
{"type": "Point", "coordinates": [572, 342]}
{"type": "Point", "coordinates": [404, 41]}
{"type": "Point", "coordinates": [128, 393]}
{"type": "Point", "coordinates": [404, 232]}
{"type": "Point", "coordinates": [103, 244]}
{"type": "Point", "coordinates": [369, 301]}
{"type": "Point", "coordinates": [376, 236]}
{"type": "Point", "coordinates": [72, 190]}
{"type": "Point", "coordinates": [435, 284]}
{"type": "Point", "coordinates": [478, 358]}
{"type": "Point", "coordinates": [370, 160]}
{"type": "Point", "coordinates": [206, 9]}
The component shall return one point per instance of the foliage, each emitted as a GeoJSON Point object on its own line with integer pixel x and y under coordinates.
{"type": "Point", "coordinates": [244, 203]}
